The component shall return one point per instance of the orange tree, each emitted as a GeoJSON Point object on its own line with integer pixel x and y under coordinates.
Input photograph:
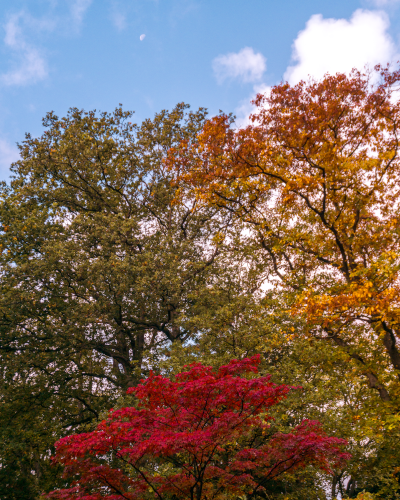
{"type": "Point", "coordinates": [316, 177]}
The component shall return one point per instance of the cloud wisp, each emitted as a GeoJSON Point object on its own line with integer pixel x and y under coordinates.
{"type": "Point", "coordinates": [78, 10]}
{"type": "Point", "coordinates": [384, 3]}
{"type": "Point", "coordinates": [119, 20]}
{"type": "Point", "coordinates": [8, 154]}
{"type": "Point", "coordinates": [31, 66]}
{"type": "Point", "coordinates": [246, 66]}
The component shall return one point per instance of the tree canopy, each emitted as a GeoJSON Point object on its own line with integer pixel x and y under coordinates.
{"type": "Point", "coordinates": [130, 249]}
{"type": "Point", "coordinates": [316, 177]}
{"type": "Point", "coordinates": [203, 436]}
{"type": "Point", "coordinates": [101, 271]}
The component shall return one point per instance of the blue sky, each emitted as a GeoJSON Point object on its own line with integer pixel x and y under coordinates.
{"type": "Point", "coordinates": [91, 54]}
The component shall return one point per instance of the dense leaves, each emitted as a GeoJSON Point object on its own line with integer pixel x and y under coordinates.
{"type": "Point", "coordinates": [202, 436]}
{"type": "Point", "coordinates": [317, 176]}
{"type": "Point", "coordinates": [98, 262]}
{"type": "Point", "coordinates": [100, 270]}
{"type": "Point", "coordinates": [316, 179]}
{"type": "Point", "coordinates": [127, 249]}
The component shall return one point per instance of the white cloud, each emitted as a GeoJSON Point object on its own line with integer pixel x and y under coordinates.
{"type": "Point", "coordinates": [119, 14]}
{"type": "Point", "coordinates": [32, 66]}
{"type": "Point", "coordinates": [338, 45]}
{"type": "Point", "coordinates": [13, 31]}
{"type": "Point", "coordinates": [8, 154]}
{"type": "Point", "coordinates": [331, 46]}
{"type": "Point", "coordinates": [245, 65]}
{"type": "Point", "coordinates": [78, 9]}
{"type": "Point", "coordinates": [142, 37]}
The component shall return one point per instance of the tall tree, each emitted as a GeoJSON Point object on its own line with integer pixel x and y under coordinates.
{"type": "Point", "coordinates": [316, 177]}
{"type": "Point", "coordinates": [100, 269]}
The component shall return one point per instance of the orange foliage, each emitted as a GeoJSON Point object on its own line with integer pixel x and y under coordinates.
{"type": "Point", "coordinates": [317, 177]}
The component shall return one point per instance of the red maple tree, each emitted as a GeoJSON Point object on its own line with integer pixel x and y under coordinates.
{"type": "Point", "coordinates": [202, 436]}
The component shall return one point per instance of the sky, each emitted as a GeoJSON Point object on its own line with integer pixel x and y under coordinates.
{"type": "Point", "coordinates": [151, 54]}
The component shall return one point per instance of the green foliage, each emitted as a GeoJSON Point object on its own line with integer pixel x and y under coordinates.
{"type": "Point", "coordinates": [101, 270]}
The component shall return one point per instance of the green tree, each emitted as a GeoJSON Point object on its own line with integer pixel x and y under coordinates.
{"type": "Point", "coordinates": [101, 272]}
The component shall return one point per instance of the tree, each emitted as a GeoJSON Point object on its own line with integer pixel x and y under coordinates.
{"type": "Point", "coordinates": [344, 405]}
{"type": "Point", "coordinates": [99, 259]}
{"type": "Point", "coordinates": [316, 177]}
{"type": "Point", "coordinates": [203, 436]}
{"type": "Point", "coordinates": [100, 271]}
{"type": "Point", "coordinates": [315, 180]}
